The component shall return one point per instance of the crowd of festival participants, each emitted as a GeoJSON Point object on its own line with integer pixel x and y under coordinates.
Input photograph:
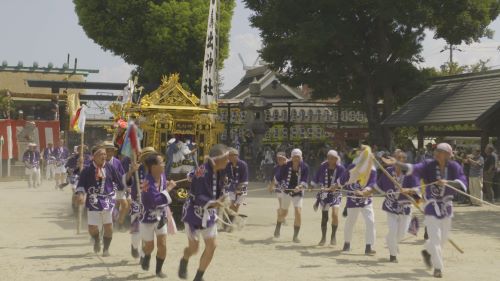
{"type": "Point", "coordinates": [113, 188]}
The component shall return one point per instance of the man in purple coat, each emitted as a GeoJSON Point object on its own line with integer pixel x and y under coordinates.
{"type": "Point", "coordinates": [397, 203]}
{"type": "Point", "coordinates": [329, 197]}
{"type": "Point", "coordinates": [155, 198]}
{"type": "Point", "coordinates": [292, 181]}
{"type": "Point", "coordinates": [61, 155]}
{"type": "Point", "coordinates": [359, 200]}
{"type": "Point", "coordinates": [135, 205]}
{"type": "Point", "coordinates": [31, 159]}
{"type": "Point", "coordinates": [121, 193]}
{"type": "Point", "coordinates": [439, 173]}
{"type": "Point", "coordinates": [274, 186]}
{"type": "Point", "coordinates": [237, 176]}
{"type": "Point", "coordinates": [200, 209]}
{"type": "Point", "coordinates": [99, 183]}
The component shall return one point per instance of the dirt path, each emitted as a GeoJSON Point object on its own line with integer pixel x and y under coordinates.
{"type": "Point", "coordinates": [38, 242]}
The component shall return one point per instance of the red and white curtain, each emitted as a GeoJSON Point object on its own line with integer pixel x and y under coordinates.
{"type": "Point", "coordinates": [42, 133]}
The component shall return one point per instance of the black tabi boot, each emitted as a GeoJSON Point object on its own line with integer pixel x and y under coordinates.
{"type": "Point", "coordinates": [427, 259]}
{"type": "Point", "coordinates": [324, 221]}
{"type": "Point", "coordinates": [199, 275]}
{"type": "Point", "coordinates": [134, 252]}
{"type": "Point", "coordinates": [277, 230]}
{"type": "Point", "coordinates": [296, 230]}
{"type": "Point", "coordinates": [159, 265]}
{"type": "Point", "coordinates": [183, 269]}
{"type": "Point", "coordinates": [333, 238]}
{"type": "Point", "coordinates": [145, 262]}
{"type": "Point", "coordinates": [369, 251]}
{"type": "Point", "coordinates": [97, 243]}
{"type": "Point", "coordinates": [106, 242]}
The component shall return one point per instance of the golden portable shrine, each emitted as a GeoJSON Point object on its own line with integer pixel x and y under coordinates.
{"type": "Point", "coordinates": [173, 122]}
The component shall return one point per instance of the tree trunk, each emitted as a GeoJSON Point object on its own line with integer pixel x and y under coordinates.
{"type": "Point", "coordinates": [373, 116]}
{"type": "Point", "coordinates": [387, 135]}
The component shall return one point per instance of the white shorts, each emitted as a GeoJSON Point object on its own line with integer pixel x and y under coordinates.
{"type": "Point", "coordinates": [100, 217]}
{"type": "Point", "coordinates": [30, 171]}
{"type": "Point", "coordinates": [148, 231]}
{"type": "Point", "coordinates": [206, 233]}
{"type": "Point", "coordinates": [328, 206]}
{"type": "Point", "coordinates": [240, 199]}
{"type": "Point", "coordinates": [279, 195]}
{"type": "Point", "coordinates": [121, 195]}
{"type": "Point", "coordinates": [287, 200]}
{"type": "Point", "coordinates": [60, 169]}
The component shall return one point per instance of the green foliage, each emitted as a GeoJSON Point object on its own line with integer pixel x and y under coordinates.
{"type": "Point", "coordinates": [361, 49]}
{"type": "Point", "coordinates": [159, 36]}
{"type": "Point", "coordinates": [454, 68]}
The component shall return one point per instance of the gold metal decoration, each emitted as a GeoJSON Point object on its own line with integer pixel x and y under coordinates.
{"type": "Point", "coordinates": [171, 111]}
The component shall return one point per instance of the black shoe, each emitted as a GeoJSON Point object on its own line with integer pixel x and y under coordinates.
{"type": "Point", "coordinates": [393, 259]}
{"type": "Point", "coordinates": [322, 242]}
{"type": "Point", "coordinates": [438, 273]}
{"type": "Point", "coordinates": [183, 269]}
{"type": "Point", "coordinates": [134, 252]}
{"type": "Point", "coordinates": [145, 262]}
{"type": "Point", "coordinates": [333, 241]}
{"type": "Point", "coordinates": [161, 275]}
{"type": "Point", "coordinates": [347, 247]}
{"type": "Point", "coordinates": [427, 259]}
{"type": "Point", "coordinates": [369, 251]}
{"type": "Point", "coordinates": [277, 233]}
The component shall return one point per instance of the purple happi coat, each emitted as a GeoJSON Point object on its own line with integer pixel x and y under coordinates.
{"type": "Point", "coordinates": [439, 199]}
{"type": "Point", "coordinates": [50, 155]}
{"type": "Point", "coordinates": [326, 178]}
{"type": "Point", "coordinates": [206, 187]}
{"type": "Point", "coordinates": [136, 209]}
{"type": "Point", "coordinates": [362, 201]}
{"type": "Point", "coordinates": [237, 176]}
{"type": "Point", "coordinates": [155, 200]}
{"type": "Point", "coordinates": [117, 165]}
{"type": "Point", "coordinates": [72, 167]}
{"type": "Point", "coordinates": [61, 155]}
{"type": "Point", "coordinates": [31, 159]}
{"type": "Point", "coordinates": [276, 171]}
{"type": "Point", "coordinates": [288, 179]}
{"type": "Point", "coordinates": [396, 202]}
{"type": "Point", "coordinates": [100, 191]}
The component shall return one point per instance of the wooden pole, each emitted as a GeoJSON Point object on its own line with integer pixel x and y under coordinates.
{"type": "Point", "coordinates": [81, 151]}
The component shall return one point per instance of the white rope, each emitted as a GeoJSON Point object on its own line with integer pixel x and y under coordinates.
{"type": "Point", "coordinates": [472, 197]}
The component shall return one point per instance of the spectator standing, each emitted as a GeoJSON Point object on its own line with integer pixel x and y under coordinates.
{"type": "Point", "coordinates": [476, 164]}
{"type": "Point", "coordinates": [490, 167]}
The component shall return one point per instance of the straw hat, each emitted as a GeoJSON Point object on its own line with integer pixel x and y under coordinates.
{"type": "Point", "coordinates": [145, 152]}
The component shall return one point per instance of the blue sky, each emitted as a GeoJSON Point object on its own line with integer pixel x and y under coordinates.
{"type": "Point", "coordinates": [46, 31]}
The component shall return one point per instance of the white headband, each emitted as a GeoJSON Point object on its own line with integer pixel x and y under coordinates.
{"type": "Point", "coordinates": [220, 156]}
{"type": "Point", "coordinates": [333, 153]}
{"type": "Point", "coordinates": [297, 152]}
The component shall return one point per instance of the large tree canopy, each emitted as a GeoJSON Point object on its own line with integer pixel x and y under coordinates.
{"type": "Point", "coordinates": [363, 50]}
{"type": "Point", "coordinates": [158, 36]}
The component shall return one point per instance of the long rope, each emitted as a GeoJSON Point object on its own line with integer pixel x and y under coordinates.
{"type": "Point", "coordinates": [472, 197]}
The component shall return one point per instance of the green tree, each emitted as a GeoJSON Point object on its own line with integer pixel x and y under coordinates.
{"type": "Point", "coordinates": [454, 68]}
{"type": "Point", "coordinates": [158, 36]}
{"type": "Point", "coordinates": [364, 50]}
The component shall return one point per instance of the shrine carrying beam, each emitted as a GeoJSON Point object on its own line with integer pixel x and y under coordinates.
{"type": "Point", "coordinates": [76, 85]}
